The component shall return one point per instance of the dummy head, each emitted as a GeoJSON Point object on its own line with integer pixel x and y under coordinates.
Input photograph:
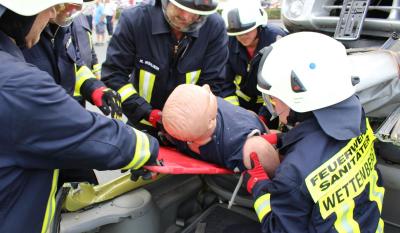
{"type": "Point", "coordinates": [190, 113]}
{"type": "Point", "coordinates": [268, 156]}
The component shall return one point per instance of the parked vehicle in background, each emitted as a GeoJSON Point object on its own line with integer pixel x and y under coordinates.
{"type": "Point", "coordinates": [382, 18]}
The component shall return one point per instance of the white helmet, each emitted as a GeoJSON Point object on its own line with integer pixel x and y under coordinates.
{"type": "Point", "coordinates": [307, 71]}
{"type": "Point", "coordinates": [243, 16]}
{"type": "Point", "coordinates": [198, 7]}
{"type": "Point", "coordinates": [202, 8]}
{"type": "Point", "coordinates": [31, 7]}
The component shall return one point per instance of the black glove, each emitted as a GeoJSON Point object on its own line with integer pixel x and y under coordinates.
{"type": "Point", "coordinates": [165, 138]}
{"type": "Point", "coordinates": [136, 108]}
{"type": "Point", "coordinates": [107, 100]}
{"type": "Point", "coordinates": [142, 172]}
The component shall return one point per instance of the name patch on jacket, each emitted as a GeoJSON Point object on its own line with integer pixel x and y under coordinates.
{"type": "Point", "coordinates": [344, 176]}
{"type": "Point", "coordinates": [149, 63]}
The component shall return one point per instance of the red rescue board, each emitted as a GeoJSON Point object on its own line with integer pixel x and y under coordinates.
{"type": "Point", "coordinates": [174, 162]}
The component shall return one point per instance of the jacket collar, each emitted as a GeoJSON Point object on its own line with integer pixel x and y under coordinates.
{"type": "Point", "coordinates": [160, 26]}
{"type": "Point", "coordinates": [7, 45]}
{"type": "Point", "coordinates": [298, 132]}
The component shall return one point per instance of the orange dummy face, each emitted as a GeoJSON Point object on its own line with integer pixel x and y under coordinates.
{"type": "Point", "coordinates": [190, 114]}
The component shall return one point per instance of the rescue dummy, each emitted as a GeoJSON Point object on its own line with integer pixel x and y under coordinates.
{"type": "Point", "coordinates": [328, 180]}
{"type": "Point", "coordinates": [211, 129]}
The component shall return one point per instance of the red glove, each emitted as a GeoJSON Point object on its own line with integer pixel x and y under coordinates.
{"type": "Point", "coordinates": [255, 174]}
{"type": "Point", "coordinates": [108, 101]}
{"type": "Point", "coordinates": [154, 117]}
{"type": "Point", "coordinates": [272, 138]}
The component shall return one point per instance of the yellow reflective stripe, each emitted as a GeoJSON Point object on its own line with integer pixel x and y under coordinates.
{"type": "Point", "coordinates": [96, 68]}
{"type": "Point", "coordinates": [145, 122]}
{"type": "Point", "coordinates": [142, 151]}
{"type": "Point", "coordinates": [260, 100]}
{"type": "Point", "coordinates": [380, 227]}
{"type": "Point", "coordinates": [76, 92]}
{"type": "Point", "coordinates": [237, 81]}
{"type": "Point", "coordinates": [242, 95]}
{"type": "Point", "coordinates": [262, 206]}
{"type": "Point", "coordinates": [83, 74]}
{"type": "Point", "coordinates": [51, 203]}
{"type": "Point", "coordinates": [345, 175]}
{"type": "Point", "coordinates": [376, 193]}
{"type": "Point", "coordinates": [97, 71]}
{"type": "Point", "coordinates": [126, 91]}
{"type": "Point", "coordinates": [233, 100]}
{"type": "Point", "coordinates": [345, 222]}
{"type": "Point", "coordinates": [192, 77]}
{"type": "Point", "coordinates": [146, 83]}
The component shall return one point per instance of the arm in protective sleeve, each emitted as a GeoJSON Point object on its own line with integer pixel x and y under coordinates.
{"type": "Point", "coordinates": [229, 88]}
{"type": "Point", "coordinates": [118, 66]}
{"type": "Point", "coordinates": [280, 206]}
{"type": "Point", "coordinates": [51, 130]}
{"type": "Point", "coordinates": [215, 58]}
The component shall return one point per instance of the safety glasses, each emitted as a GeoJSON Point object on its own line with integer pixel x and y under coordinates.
{"type": "Point", "coordinates": [65, 13]}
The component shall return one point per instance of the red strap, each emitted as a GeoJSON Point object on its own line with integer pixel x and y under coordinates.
{"type": "Point", "coordinates": [97, 96]}
{"type": "Point", "coordinates": [155, 115]}
{"type": "Point", "coordinates": [271, 138]}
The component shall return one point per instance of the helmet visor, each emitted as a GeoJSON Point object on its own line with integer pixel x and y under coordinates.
{"type": "Point", "coordinates": [235, 24]}
{"type": "Point", "coordinates": [175, 20]}
{"type": "Point", "coordinates": [65, 13]}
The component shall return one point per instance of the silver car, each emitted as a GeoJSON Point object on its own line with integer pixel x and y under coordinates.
{"type": "Point", "coordinates": [382, 16]}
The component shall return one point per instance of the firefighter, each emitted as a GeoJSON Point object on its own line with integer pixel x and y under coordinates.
{"type": "Point", "coordinates": [328, 180]}
{"type": "Point", "coordinates": [65, 52]}
{"type": "Point", "coordinates": [38, 136]}
{"type": "Point", "coordinates": [248, 32]}
{"type": "Point", "coordinates": [156, 47]}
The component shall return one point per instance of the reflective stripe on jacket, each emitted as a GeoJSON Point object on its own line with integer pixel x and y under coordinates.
{"type": "Point", "coordinates": [322, 185]}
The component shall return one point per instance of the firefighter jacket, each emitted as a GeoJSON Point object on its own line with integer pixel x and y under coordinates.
{"type": "Point", "coordinates": [145, 62]}
{"type": "Point", "coordinates": [241, 71]}
{"type": "Point", "coordinates": [62, 52]}
{"type": "Point", "coordinates": [323, 184]}
{"type": "Point", "coordinates": [234, 125]}
{"type": "Point", "coordinates": [50, 55]}
{"type": "Point", "coordinates": [39, 138]}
